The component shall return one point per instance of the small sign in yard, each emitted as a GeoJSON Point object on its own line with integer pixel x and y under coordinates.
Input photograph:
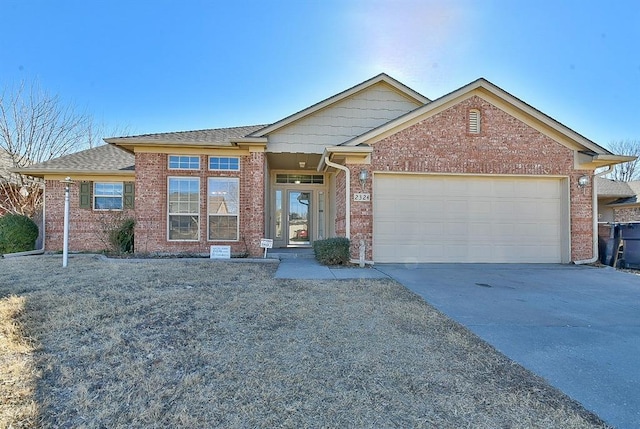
{"type": "Point", "coordinates": [220, 252]}
{"type": "Point", "coordinates": [266, 243]}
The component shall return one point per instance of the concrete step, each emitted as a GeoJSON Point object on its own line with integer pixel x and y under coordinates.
{"type": "Point", "coordinates": [291, 253]}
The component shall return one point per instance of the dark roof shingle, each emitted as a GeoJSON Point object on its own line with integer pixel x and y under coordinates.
{"type": "Point", "coordinates": [214, 136]}
{"type": "Point", "coordinates": [105, 158]}
{"type": "Point", "coordinates": [613, 188]}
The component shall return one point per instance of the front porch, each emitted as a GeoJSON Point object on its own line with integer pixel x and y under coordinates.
{"type": "Point", "coordinates": [299, 201]}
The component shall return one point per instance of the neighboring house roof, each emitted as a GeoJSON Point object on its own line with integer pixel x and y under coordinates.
{"type": "Point", "coordinates": [106, 159]}
{"type": "Point", "coordinates": [210, 137]}
{"type": "Point", "coordinates": [6, 163]}
{"type": "Point", "coordinates": [612, 188]}
{"type": "Point", "coordinates": [625, 194]}
{"type": "Point", "coordinates": [635, 186]}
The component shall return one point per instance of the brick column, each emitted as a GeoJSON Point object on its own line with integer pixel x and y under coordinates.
{"type": "Point", "coordinates": [252, 202]}
{"type": "Point", "coordinates": [361, 212]}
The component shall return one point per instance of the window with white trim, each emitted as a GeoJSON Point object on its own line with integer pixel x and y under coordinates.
{"type": "Point", "coordinates": [107, 195]}
{"type": "Point", "coordinates": [311, 179]}
{"type": "Point", "coordinates": [184, 162]}
{"type": "Point", "coordinates": [223, 199]}
{"type": "Point", "coordinates": [224, 163]}
{"type": "Point", "coordinates": [183, 208]}
{"type": "Point", "coordinates": [474, 121]}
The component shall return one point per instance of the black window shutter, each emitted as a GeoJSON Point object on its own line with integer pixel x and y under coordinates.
{"type": "Point", "coordinates": [85, 194]}
{"type": "Point", "coordinates": [129, 191]}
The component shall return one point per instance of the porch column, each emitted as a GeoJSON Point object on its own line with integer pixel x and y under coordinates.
{"type": "Point", "coordinates": [361, 210]}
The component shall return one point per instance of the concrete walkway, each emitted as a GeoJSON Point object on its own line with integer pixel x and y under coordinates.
{"type": "Point", "coordinates": [308, 268]}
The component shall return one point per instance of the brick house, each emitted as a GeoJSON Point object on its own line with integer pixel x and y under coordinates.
{"type": "Point", "coordinates": [476, 175]}
{"type": "Point", "coordinates": [6, 163]}
{"type": "Point", "coordinates": [618, 201]}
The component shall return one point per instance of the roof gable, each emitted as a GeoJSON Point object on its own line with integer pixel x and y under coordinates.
{"type": "Point", "coordinates": [341, 119]}
{"type": "Point", "coordinates": [502, 100]}
{"type": "Point", "coordinates": [405, 91]}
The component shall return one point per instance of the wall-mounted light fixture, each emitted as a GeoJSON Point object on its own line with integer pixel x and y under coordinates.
{"type": "Point", "coordinates": [583, 181]}
{"type": "Point", "coordinates": [363, 176]}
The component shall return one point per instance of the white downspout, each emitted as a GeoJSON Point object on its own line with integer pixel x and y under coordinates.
{"type": "Point", "coordinates": [347, 192]}
{"type": "Point", "coordinates": [594, 203]}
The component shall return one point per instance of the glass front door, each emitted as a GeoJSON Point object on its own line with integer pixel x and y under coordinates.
{"type": "Point", "coordinates": [298, 220]}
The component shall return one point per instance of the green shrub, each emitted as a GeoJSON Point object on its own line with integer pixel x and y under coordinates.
{"type": "Point", "coordinates": [18, 233]}
{"type": "Point", "coordinates": [332, 251]}
{"type": "Point", "coordinates": [122, 237]}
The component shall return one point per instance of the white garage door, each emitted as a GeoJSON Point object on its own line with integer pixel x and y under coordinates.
{"type": "Point", "coordinates": [424, 218]}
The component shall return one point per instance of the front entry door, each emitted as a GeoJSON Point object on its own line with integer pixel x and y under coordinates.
{"type": "Point", "coordinates": [298, 218]}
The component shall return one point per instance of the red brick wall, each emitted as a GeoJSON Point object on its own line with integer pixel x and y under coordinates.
{"type": "Point", "coordinates": [86, 226]}
{"type": "Point", "coordinates": [252, 201]}
{"type": "Point", "coordinates": [151, 209]}
{"type": "Point", "coordinates": [151, 206]}
{"type": "Point", "coordinates": [441, 144]}
{"type": "Point", "coordinates": [340, 202]}
{"type": "Point", "coordinates": [150, 202]}
{"type": "Point", "coordinates": [361, 213]}
{"type": "Point", "coordinates": [626, 214]}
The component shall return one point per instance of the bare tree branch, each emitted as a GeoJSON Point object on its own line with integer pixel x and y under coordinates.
{"type": "Point", "coordinates": [627, 171]}
{"type": "Point", "coordinates": [35, 127]}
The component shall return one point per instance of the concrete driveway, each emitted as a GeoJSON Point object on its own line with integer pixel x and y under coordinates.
{"type": "Point", "coordinates": [576, 326]}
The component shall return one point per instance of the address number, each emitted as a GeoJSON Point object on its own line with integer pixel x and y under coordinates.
{"type": "Point", "coordinates": [362, 197]}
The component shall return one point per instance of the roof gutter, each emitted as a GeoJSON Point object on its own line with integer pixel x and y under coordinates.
{"type": "Point", "coordinates": [594, 204]}
{"type": "Point", "coordinates": [73, 172]}
{"type": "Point", "coordinates": [347, 219]}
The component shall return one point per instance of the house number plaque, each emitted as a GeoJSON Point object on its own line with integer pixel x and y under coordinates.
{"type": "Point", "coordinates": [362, 197]}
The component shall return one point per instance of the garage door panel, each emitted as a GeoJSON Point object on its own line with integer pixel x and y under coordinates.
{"type": "Point", "coordinates": [453, 230]}
{"type": "Point", "coordinates": [422, 218]}
{"type": "Point", "coordinates": [458, 208]}
{"type": "Point", "coordinates": [480, 231]}
{"type": "Point", "coordinates": [480, 207]}
{"type": "Point", "coordinates": [431, 206]}
{"type": "Point", "coordinates": [505, 189]}
{"type": "Point", "coordinates": [432, 229]}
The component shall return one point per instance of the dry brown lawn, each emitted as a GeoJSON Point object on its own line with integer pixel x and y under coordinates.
{"type": "Point", "coordinates": [198, 343]}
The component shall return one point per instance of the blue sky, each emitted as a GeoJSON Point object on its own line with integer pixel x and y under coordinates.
{"type": "Point", "coordinates": [171, 65]}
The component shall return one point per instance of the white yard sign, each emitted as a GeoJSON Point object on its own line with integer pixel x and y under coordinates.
{"type": "Point", "coordinates": [220, 252]}
{"type": "Point", "coordinates": [266, 243]}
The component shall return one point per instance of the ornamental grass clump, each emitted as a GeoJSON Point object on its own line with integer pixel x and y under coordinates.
{"type": "Point", "coordinates": [332, 251]}
{"type": "Point", "coordinates": [122, 237]}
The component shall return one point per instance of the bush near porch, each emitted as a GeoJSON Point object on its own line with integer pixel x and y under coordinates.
{"type": "Point", "coordinates": [332, 251]}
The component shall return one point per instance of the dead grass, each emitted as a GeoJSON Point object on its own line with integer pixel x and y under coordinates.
{"type": "Point", "coordinates": [18, 375]}
{"type": "Point", "coordinates": [195, 343]}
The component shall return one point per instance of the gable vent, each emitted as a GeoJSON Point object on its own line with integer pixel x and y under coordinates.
{"type": "Point", "coordinates": [474, 121]}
